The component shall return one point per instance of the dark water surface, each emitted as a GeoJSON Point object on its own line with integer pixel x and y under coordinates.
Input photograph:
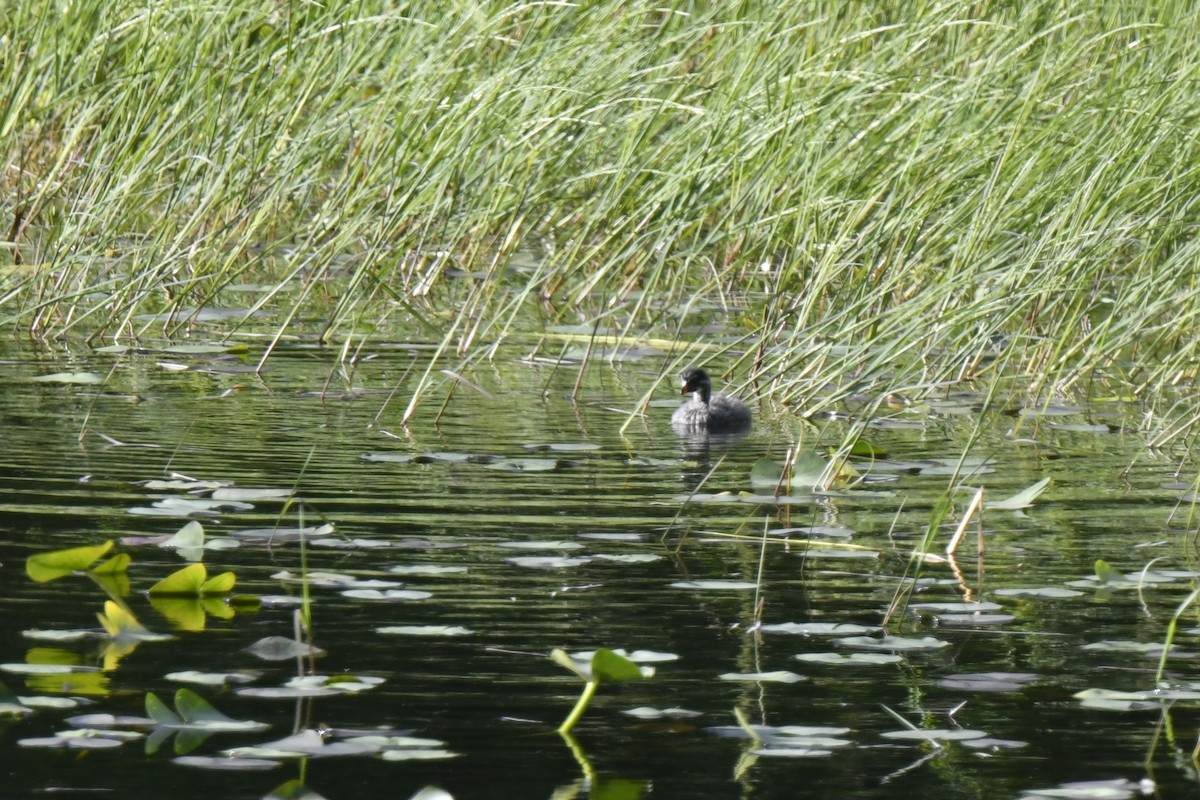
{"type": "Point", "coordinates": [491, 696]}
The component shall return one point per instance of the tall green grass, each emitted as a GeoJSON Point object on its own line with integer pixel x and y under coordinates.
{"type": "Point", "coordinates": [892, 195]}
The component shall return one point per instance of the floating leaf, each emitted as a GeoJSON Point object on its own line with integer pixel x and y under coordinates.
{"type": "Point", "coordinates": [602, 665]}
{"type": "Point", "coordinates": [425, 569]}
{"type": "Point", "coordinates": [44, 567]}
{"type": "Point", "coordinates": [1022, 499]}
{"type": "Point", "coordinates": [524, 464]}
{"type": "Point", "coordinates": [425, 630]}
{"type": "Point", "coordinates": [121, 625]}
{"type": "Point", "coordinates": [185, 582]}
{"type": "Point", "coordinates": [389, 594]}
{"type": "Point", "coordinates": [955, 606]}
{"type": "Point", "coordinates": [117, 565]}
{"type": "Point", "coordinates": [242, 495]}
{"type": "Point", "coordinates": [935, 734]}
{"type": "Point", "coordinates": [79, 378]}
{"type": "Point", "coordinates": [1119, 789]}
{"type": "Point", "coordinates": [279, 648]}
{"type": "Point", "coordinates": [779, 676]}
{"type": "Point", "coordinates": [1052, 592]}
{"type": "Point", "coordinates": [714, 584]}
{"type": "Point", "coordinates": [892, 643]}
{"type": "Point", "coordinates": [1106, 573]}
{"type": "Point", "coordinates": [549, 562]}
{"type": "Point", "coordinates": [226, 763]}
{"type": "Point", "coordinates": [190, 536]}
{"type": "Point", "coordinates": [863, 659]}
{"type": "Point", "coordinates": [987, 681]}
{"type": "Point", "coordinates": [645, 712]}
{"type": "Point", "coordinates": [819, 628]}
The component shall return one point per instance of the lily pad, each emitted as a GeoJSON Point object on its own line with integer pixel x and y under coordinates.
{"type": "Point", "coordinates": [779, 676]}
{"type": "Point", "coordinates": [819, 628]}
{"type": "Point", "coordinates": [1051, 592]}
{"type": "Point", "coordinates": [892, 643]}
{"type": "Point", "coordinates": [425, 630]}
{"type": "Point", "coordinates": [76, 378]}
{"type": "Point", "coordinates": [715, 585]}
{"type": "Point", "coordinates": [988, 681]}
{"type": "Point", "coordinates": [935, 734]}
{"type": "Point", "coordinates": [853, 659]}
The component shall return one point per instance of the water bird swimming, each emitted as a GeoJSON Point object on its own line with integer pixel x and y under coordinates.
{"type": "Point", "coordinates": [719, 413]}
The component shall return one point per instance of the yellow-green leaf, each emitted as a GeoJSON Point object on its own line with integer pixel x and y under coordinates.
{"type": "Point", "coordinates": [45, 567]}
{"type": "Point", "coordinates": [219, 584]}
{"type": "Point", "coordinates": [183, 582]}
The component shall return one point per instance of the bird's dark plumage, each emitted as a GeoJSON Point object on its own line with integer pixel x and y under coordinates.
{"type": "Point", "coordinates": [719, 413]}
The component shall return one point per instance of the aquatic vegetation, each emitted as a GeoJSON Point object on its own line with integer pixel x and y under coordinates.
{"type": "Point", "coordinates": [601, 666]}
{"type": "Point", "coordinates": [924, 197]}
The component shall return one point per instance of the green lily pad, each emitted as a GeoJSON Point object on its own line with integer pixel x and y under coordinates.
{"type": "Point", "coordinates": [44, 567]}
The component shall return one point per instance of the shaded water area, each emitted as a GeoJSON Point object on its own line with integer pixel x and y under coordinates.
{"type": "Point", "coordinates": [455, 506]}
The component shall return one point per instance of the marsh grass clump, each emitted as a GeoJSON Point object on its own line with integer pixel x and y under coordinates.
{"type": "Point", "coordinates": [939, 191]}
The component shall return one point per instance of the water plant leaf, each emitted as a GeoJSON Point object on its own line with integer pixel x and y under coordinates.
{"type": "Point", "coordinates": [44, 567]}
{"type": "Point", "coordinates": [121, 625]}
{"type": "Point", "coordinates": [160, 712]}
{"type": "Point", "coordinates": [549, 562]}
{"type": "Point", "coordinates": [524, 464]}
{"type": "Point", "coordinates": [892, 643]}
{"type": "Point", "coordinates": [190, 536]}
{"type": "Point", "coordinates": [388, 594]}
{"type": "Point", "coordinates": [307, 743]}
{"type": "Point", "coordinates": [280, 648]}
{"type": "Point", "coordinates": [57, 636]}
{"type": "Point", "coordinates": [1106, 573]}
{"type": "Point", "coordinates": [648, 713]}
{"type": "Point", "coordinates": [226, 763]}
{"type": "Point", "coordinates": [10, 704]}
{"type": "Point", "coordinates": [1052, 592]}
{"type": "Point", "coordinates": [1118, 789]}
{"type": "Point", "coordinates": [425, 569]}
{"type": "Point", "coordinates": [425, 630]}
{"type": "Point", "coordinates": [432, 793]}
{"type": "Point", "coordinates": [628, 558]}
{"type": "Point", "coordinates": [988, 681]}
{"type": "Point", "coordinates": [537, 545]}
{"type": "Point", "coordinates": [935, 734]}
{"type": "Point", "coordinates": [956, 606]}
{"type": "Point", "coordinates": [819, 628]}
{"type": "Point", "coordinates": [1022, 499]}
{"type": "Point", "coordinates": [601, 666]}
{"type": "Point", "coordinates": [117, 565]}
{"type": "Point", "coordinates": [242, 495]}
{"type": "Point", "coordinates": [778, 676]}
{"type": "Point", "coordinates": [865, 659]}
{"type": "Point", "coordinates": [218, 584]}
{"type": "Point", "coordinates": [610, 667]}
{"type": "Point", "coordinates": [185, 582]}
{"type": "Point", "coordinates": [76, 378]}
{"type": "Point", "coordinates": [212, 678]}
{"type": "Point", "coordinates": [1127, 646]}
{"type": "Point", "coordinates": [294, 789]}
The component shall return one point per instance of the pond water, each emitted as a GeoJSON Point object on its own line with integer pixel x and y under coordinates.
{"type": "Point", "coordinates": [526, 521]}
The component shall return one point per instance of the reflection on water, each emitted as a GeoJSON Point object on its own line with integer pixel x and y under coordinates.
{"type": "Point", "coordinates": [517, 521]}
